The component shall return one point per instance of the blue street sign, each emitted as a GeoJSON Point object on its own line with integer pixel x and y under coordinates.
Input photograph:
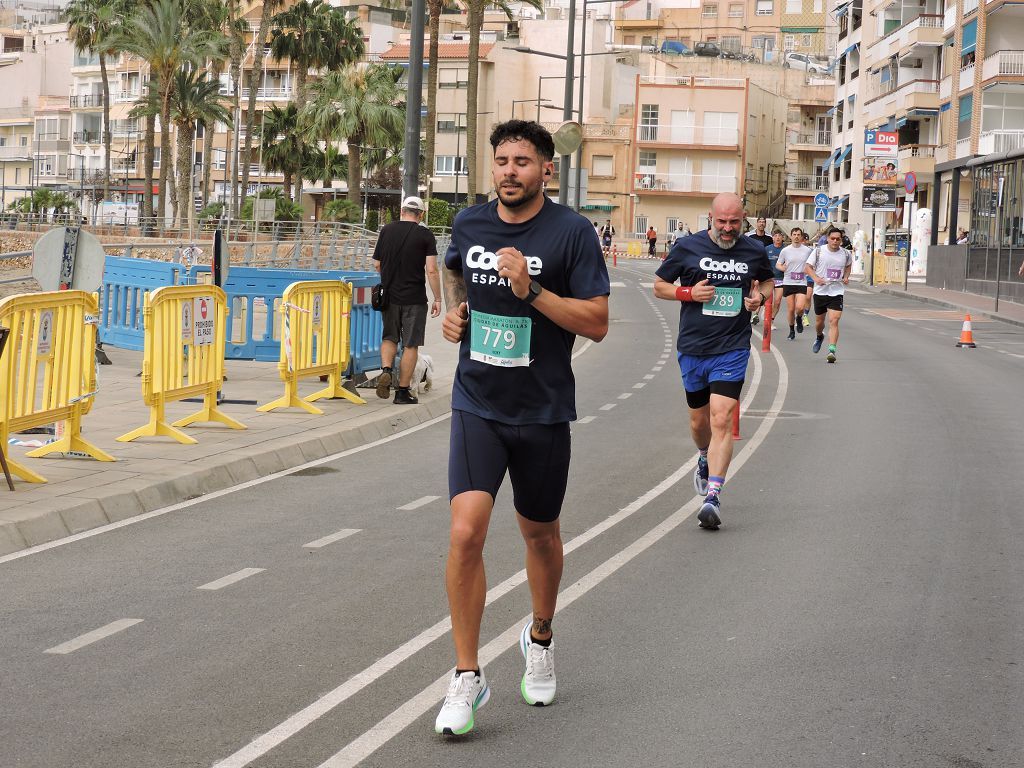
{"type": "Point", "coordinates": [820, 214]}
{"type": "Point", "coordinates": [821, 200]}
{"type": "Point", "coordinates": [423, 111]}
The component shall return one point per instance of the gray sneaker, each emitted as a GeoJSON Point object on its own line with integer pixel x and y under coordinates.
{"type": "Point", "coordinates": [700, 477]}
{"type": "Point", "coordinates": [709, 516]}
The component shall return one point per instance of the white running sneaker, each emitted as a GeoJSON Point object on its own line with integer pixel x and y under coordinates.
{"type": "Point", "coordinates": [466, 694]}
{"type": "Point", "coordinates": [538, 686]}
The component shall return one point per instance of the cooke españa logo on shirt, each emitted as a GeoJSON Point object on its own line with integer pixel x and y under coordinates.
{"type": "Point", "coordinates": [485, 266]}
{"type": "Point", "coordinates": [724, 270]}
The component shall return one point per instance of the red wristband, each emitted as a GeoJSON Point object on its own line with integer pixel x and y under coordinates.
{"type": "Point", "coordinates": [684, 293]}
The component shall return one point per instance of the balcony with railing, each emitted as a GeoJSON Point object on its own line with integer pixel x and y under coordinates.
{"type": "Point", "coordinates": [86, 101]}
{"type": "Point", "coordinates": [701, 137]}
{"type": "Point", "coordinates": [949, 20]}
{"type": "Point", "coordinates": [970, 6]}
{"type": "Point", "coordinates": [282, 93]}
{"type": "Point", "coordinates": [87, 137]}
{"type": "Point", "coordinates": [695, 81]}
{"type": "Point", "coordinates": [1003, 64]}
{"type": "Point", "coordinates": [815, 141]}
{"type": "Point", "coordinates": [126, 97]}
{"type": "Point", "coordinates": [915, 94]}
{"type": "Point", "coordinates": [966, 77]}
{"type": "Point", "coordinates": [15, 153]}
{"type": "Point", "coordinates": [806, 183]}
{"type": "Point", "coordinates": [919, 158]}
{"type": "Point", "coordinates": [652, 182]}
{"type": "Point", "coordinates": [962, 148]}
{"type": "Point", "coordinates": [946, 87]}
{"type": "Point", "coordinates": [1000, 141]}
{"type": "Point", "coordinates": [923, 32]}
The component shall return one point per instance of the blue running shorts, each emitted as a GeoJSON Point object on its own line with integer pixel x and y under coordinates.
{"type": "Point", "coordinates": [704, 375]}
{"type": "Point", "coordinates": [536, 457]}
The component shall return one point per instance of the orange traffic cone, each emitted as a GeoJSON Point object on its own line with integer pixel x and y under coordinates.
{"type": "Point", "coordinates": [966, 337]}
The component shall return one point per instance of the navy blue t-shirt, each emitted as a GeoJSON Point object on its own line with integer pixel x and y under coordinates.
{"type": "Point", "coordinates": [773, 252]}
{"type": "Point", "coordinates": [697, 258]}
{"type": "Point", "coordinates": [565, 258]}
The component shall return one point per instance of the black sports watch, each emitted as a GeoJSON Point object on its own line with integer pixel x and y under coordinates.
{"type": "Point", "coordinates": [533, 293]}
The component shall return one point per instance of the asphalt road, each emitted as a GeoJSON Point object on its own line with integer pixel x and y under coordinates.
{"type": "Point", "coordinates": [861, 605]}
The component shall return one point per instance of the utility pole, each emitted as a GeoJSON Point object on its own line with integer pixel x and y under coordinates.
{"type": "Point", "coordinates": [570, 71]}
{"type": "Point", "coordinates": [413, 103]}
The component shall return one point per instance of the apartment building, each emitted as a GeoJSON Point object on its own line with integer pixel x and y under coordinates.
{"type": "Point", "coordinates": [694, 137]}
{"type": "Point", "coordinates": [808, 144]}
{"type": "Point", "coordinates": [982, 119]}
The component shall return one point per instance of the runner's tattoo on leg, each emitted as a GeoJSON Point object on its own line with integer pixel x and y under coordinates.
{"type": "Point", "coordinates": [541, 627]}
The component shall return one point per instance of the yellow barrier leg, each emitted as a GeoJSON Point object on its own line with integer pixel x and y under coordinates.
{"type": "Point", "coordinates": [290, 399]}
{"type": "Point", "coordinates": [210, 412]}
{"type": "Point", "coordinates": [72, 441]}
{"type": "Point", "coordinates": [22, 471]}
{"type": "Point", "coordinates": [334, 391]}
{"type": "Point", "coordinates": [157, 427]}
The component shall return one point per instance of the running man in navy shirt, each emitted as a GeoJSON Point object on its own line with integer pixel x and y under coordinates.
{"type": "Point", "coordinates": [723, 278]}
{"type": "Point", "coordinates": [523, 277]}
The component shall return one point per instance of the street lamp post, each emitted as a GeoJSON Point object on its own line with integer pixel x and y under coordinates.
{"type": "Point", "coordinates": [536, 101]}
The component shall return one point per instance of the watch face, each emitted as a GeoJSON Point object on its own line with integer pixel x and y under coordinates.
{"type": "Point", "coordinates": [535, 288]}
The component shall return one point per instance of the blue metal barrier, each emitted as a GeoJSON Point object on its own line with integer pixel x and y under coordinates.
{"type": "Point", "coordinates": [125, 281]}
{"type": "Point", "coordinates": [254, 296]}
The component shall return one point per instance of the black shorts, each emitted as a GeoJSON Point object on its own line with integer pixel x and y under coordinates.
{"type": "Point", "coordinates": [536, 457]}
{"type": "Point", "coordinates": [824, 303]}
{"type": "Point", "coordinates": [794, 290]}
{"type": "Point", "coordinates": [405, 323]}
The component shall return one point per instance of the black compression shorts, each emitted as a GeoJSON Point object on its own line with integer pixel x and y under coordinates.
{"type": "Point", "coordinates": [536, 457]}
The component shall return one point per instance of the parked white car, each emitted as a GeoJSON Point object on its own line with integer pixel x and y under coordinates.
{"type": "Point", "coordinates": [805, 62]}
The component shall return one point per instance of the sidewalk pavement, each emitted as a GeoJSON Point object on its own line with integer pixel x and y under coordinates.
{"type": "Point", "coordinates": [969, 303]}
{"type": "Point", "coordinates": [153, 472]}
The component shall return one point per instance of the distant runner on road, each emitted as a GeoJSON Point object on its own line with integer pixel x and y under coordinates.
{"type": "Point", "coordinates": [794, 280]}
{"type": "Point", "coordinates": [829, 267]}
{"type": "Point", "coordinates": [723, 278]}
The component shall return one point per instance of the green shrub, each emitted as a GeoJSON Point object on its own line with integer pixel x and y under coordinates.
{"type": "Point", "coordinates": [372, 221]}
{"type": "Point", "coordinates": [343, 210]}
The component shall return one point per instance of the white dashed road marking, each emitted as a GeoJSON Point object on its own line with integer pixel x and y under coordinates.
{"type": "Point", "coordinates": [231, 578]}
{"type": "Point", "coordinates": [585, 420]}
{"type": "Point", "coordinates": [607, 406]}
{"type": "Point", "coordinates": [648, 376]}
{"type": "Point", "coordinates": [91, 637]}
{"type": "Point", "coordinates": [640, 385]}
{"type": "Point", "coordinates": [344, 533]}
{"type": "Point", "coordinates": [625, 396]}
{"type": "Point", "coordinates": [617, 285]}
{"type": "Point", "coordinates": [418, 503]}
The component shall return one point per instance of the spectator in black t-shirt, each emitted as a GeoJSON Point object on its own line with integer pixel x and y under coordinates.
{"type": "Point", "coordinates": [759, 233]}
{"type": "Point", "coordinates": [404, 253]}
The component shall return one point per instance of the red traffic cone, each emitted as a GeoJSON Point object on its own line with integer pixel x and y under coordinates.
{"type": "Point", "coordinates": [966, 337]}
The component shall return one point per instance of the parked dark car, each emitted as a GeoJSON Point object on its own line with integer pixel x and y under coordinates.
{"type": "Point", "coordinates": [707, 49]}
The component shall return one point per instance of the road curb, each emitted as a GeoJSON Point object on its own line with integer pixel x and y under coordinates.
{"type": "Point", "coordinates": [52, 519]}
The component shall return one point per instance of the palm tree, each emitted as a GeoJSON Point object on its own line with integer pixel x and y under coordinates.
{"type": "Point", "coordinates": [282, 147]}
{"type": "Point", "coordinates": [91, 27]}
{"type": "Point", "coordinates": [475, 18]}
{"type": "Point", "coordinates": [324, 165]}
{"type": "Point", "coordinates": [158, 35]}
{"type": "Point", "coordinates": [313, 35]}
{"type": "Point", "coordinates": [266, 12]}
{"type": "Point", "coordinates": [194, 100]}
{"type": "Point", "coordinates": [360, 105]}
{"type": "Point", "coordinates": [434, 8]}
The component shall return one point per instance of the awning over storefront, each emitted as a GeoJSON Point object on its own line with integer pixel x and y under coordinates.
{"type": "Point", "coordinates": [901, 122]}
{"type": "Point", "coordinates": [924, 113]}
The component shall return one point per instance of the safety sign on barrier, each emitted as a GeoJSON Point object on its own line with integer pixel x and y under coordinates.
{"type": "Point", "coordinates": [186, 322]}
{"type": "Point", "coordinates": [202, 321]}
{"type": "Point", "coordinates": [45, 332]}
{"type": "Point", "coordinates": [318, 300]}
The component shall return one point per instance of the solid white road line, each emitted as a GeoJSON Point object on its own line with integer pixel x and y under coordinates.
{"type": "Point", "coordinates": [418, 503]}
{"type": "Point", "coordinates": [585, 420]}
{"type": "Point", "coordinates": [344, 533]}
{"type": "Point", "coordinates": [231, 578]}
{"type": "Point", "coordinates": [91, 637]}
{"type": "Point", "coordinates": [240, 487]}
{"type": "Point", "coordinates": [297, 722]}
{"type": "Point", "coordinates": [369, 742]}
{"type": "Point", "coordinates": [607, 406]}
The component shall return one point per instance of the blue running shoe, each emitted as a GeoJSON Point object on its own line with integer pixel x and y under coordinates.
{"type": "Point", "coordinates": [709, 517]}
{"type": "Point", "coordinates": [817, 344]}
{"type": "Point", "coordinates": [700, 477]}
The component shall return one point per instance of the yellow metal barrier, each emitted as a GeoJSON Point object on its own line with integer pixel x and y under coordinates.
{"type": "Point", "coordinates": [48, 371]}
{"type": "Point", "coordinates": [890, 269]}
{"type": "Point", "coordinates": [316, 325]}
{"type": "Point", "coordinates": [634, 248]}
{"type": "Point", "coordinates": [183, 357]}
